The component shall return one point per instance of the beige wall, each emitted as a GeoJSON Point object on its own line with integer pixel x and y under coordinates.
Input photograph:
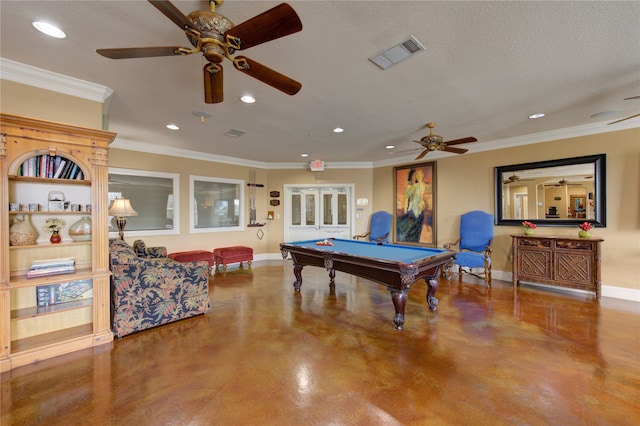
{"type": "Point", "coordinates": [186, 167]}
{"type": "Point", "coordinates": [28, 101]}
{"type": "Point", "coordinates": [273, 180]}
{"type": "Point", "coordinates": [465, 183]}
{"type": "Point", "coordinates": [360, 178]}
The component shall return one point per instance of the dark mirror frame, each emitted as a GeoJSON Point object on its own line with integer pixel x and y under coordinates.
{"type": "Point", "coordinates": [599, 162]}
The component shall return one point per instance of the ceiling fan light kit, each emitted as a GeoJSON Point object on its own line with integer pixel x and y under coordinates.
{"type": "Point", "coordinates": [217, 38]}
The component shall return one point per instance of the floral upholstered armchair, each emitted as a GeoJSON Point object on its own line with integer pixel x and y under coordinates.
{"type": "Point", "coordinates": [154, 290]}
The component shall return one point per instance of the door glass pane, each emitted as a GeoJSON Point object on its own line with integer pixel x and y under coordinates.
{"type": "Point", "coordinates": [310, 208]}
{"type": "Point", "coordinates": [342, 209]}
{"type": "Point", "coordinates": [327, 217]}
{"type": "Point", "coordinates": [296, 209]}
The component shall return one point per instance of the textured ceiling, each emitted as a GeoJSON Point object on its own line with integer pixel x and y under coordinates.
{"type": "Point", "coordinates": [487, 66]}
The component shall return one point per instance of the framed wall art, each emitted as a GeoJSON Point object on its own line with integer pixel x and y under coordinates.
{"type": "Point", "coordinates": [414, 221]}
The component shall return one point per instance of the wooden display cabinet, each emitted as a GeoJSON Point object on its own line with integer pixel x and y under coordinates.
{"type": "Point", "coordinates": [558, 261]}
{"type": "Point", "coordinates": [30, 330]}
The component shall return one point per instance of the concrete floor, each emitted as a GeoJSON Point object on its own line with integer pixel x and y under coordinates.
{"type": "Point", "coordinates": [266, 355]}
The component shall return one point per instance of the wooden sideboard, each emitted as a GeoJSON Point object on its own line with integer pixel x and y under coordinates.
{"type": "Point", "coordinates": [558, 261]}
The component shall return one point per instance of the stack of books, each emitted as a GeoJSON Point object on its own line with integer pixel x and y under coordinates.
{"type": "Point", "coordinates": [50, 166]}
{"type": "Point", "coordinates": [41, 268]}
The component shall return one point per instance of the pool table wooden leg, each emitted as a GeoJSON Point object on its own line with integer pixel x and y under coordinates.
{"type": "Point", "coordinates": [399, 299]}
{"type": "Point", "coordinates": [297, 271]}
{"type": "Point", "coordinates": [432, 301]}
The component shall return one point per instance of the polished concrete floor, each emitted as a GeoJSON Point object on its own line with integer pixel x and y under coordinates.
{"type": "Point", "coordinates": [265, 355]}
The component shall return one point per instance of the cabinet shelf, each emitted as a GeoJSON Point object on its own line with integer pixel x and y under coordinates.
{"type": "Point", "coordinates": [48, 339]}
{"type": "Point", "coordinates": [21, 280]}
{"type": "Point", "coordinates": [49, 180]}
{"type": "Point", "coordinates": [49, 245]}
{"type": "Point", "coordinates": [51, 212]}
{"type": "Point", "coordinates": [34, 311]}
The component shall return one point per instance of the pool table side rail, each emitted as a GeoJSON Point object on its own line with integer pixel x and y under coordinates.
{"type": "Point", "coordinates": [392, 274]}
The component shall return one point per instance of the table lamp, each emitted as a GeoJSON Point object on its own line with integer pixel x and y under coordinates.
{"type": "Point", "coordinates": [121, 208]}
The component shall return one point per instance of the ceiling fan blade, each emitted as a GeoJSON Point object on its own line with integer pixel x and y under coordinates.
{"type": "Point", "coordinates": [461, 141]}
{"type": "Point", "coordinates": [213, 87]}
{"type": "Point", "coordinates": [173, 13]}
{"type": "Point", "coordinates": [422, 154]}
{"type": "Point", "coordinates": [138, 52]}
{"type": "Point", "coordinates": [407, 150]}
{"type": "Point", "coordinates": [267, 75]}
{"type": "Point", "coordinates": [455, 150]}
{"type": "Point", "coordinates": [624, 119]}
{"type": "Point", "coordinates": [277, 22]}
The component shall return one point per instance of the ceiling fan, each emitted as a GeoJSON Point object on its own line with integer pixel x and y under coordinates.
{"type": "Point", "coordinates": [217, 38]}
{"type": "Point", "coordinates": [511, 179]}
{"type": "Point", "coordinates": [436, 143]}
{"type": "Point", "coordinates": [563, 182]}
{"type": "Point", "coordinates": [626, 118]}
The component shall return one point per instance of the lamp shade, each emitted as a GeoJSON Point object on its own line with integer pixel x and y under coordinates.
{"type": "Point", "coordinates": [122, 207]}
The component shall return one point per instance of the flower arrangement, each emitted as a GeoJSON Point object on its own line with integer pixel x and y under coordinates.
{"type": "Point", "coordinates": [528, 225]}
{"type": "Point", "coordinates": [53, 224]}
{"type": "Point", "coordinates": [585, 226]}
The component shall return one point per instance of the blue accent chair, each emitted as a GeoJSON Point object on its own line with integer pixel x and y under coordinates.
{"type": "Point", "coordinates": [379, 228]}
{"type": "Point", "coordinates": [474, 246]}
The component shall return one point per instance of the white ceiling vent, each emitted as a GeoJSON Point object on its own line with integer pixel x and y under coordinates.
{"type": "Point", "coordinates": [235, 133]}
{"type": "Point", "coordinates": [398, 53]}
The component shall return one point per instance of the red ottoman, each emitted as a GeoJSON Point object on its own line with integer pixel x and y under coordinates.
{"type": "Point", "coordinates": [193, 256]}
{"type": "Point", "coordinates": [227, 255]}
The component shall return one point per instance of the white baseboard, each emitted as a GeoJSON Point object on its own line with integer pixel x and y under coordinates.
{"type": "Point", "coordinates": [631, 294]}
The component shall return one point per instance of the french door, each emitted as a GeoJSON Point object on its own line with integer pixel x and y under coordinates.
{"type": "Point", "coordinates": [317, 211]}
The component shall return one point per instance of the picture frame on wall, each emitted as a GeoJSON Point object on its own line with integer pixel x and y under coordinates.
{"type": "Point", "coordinates": [414, 219]}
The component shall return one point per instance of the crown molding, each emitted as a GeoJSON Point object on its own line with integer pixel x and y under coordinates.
{"type": "Point", "coordinates": [552, 135]}
{"type": "Point", "coordinates": [48, 80]}
{"type": "Point", "coordinates": [559, 134]}
{"type": "Point", "coordinates": [129, 145]}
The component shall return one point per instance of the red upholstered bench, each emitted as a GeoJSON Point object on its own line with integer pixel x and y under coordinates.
{"type": "Point", "coordinates": [227, 255]}
{"type": "Point", "coordinates": [192, 256]}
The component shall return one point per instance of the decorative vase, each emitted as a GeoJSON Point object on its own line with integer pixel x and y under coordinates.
{"type": "Point", "coordinates": [81, 230]}
{"type": "Point", "coordinates": [528, 231]}
{"type": "Point", "coordinates": [22, 232]}
{"type": "Point", "coordinates": [55, 237]}
{"type": "Point", "coordinates": [584, 234]}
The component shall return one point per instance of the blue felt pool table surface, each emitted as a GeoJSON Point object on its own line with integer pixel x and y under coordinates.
{"type": "Point", "coordinates": [385, 252]}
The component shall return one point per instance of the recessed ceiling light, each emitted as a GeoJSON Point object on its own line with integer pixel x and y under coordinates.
{"type": "Point", "coordinates": [304, 155]}
{"type": "Point", "coordinates": [247, 99]}
{"type": "Point", "coordinates": [50, 30]}
{"type": "Point", "coordinates": [390, 146]}
{"type": "Point", "coordinates": [537, 115]}
{"type": "Point", "coordinates": [338, 130]}
{"type": "Point", "coordinates": [172, 127]}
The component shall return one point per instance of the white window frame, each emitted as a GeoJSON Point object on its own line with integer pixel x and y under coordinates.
{"type": "Point", "coordinates": [175, 177]}
{"type": "Point", "coordinates": [193, 205]}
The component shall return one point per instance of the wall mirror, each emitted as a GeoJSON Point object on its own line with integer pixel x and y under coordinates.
{"type": "Point", "coordinates": [552, 193]}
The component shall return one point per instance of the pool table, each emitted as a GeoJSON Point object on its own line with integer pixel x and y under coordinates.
{"type": "Point", "coordinates": [395, 266]}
